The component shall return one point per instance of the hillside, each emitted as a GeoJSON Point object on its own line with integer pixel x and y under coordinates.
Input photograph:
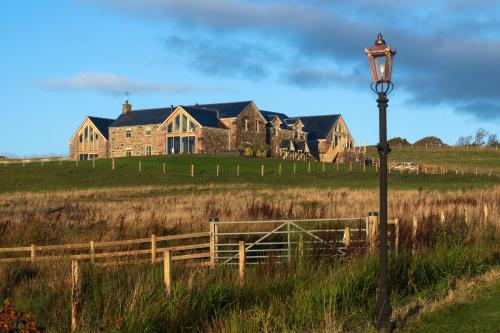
{"type": "Point", "coordinates": [67, 175]}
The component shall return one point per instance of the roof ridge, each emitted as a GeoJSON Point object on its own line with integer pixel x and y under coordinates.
{"type": "Point", "coordinates": [319, 115]}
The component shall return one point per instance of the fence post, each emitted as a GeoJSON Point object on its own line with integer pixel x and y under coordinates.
{"type": "Point", "coordinates": [323, 167]}
{"type": "Point", "coordinates": [238, 170]}
{"type": "Point", "coordinates": [373, 228]}
{"type": "Point", "coordinates": [485, 212]}
{"type": "Point", "coordinates": [217, 172]}
{"type": "Point", "coordinates": [140, 166]}
{"type": "Point", "coordinates": [213, 230]}
{"type": "Point", "coordinates": [167, 272]}
{"type": "Point", "coordinates": [75, 295]}
{"type": "Point", "coordinates": [242, 261]}
{"type": "Point", "coordinates": [164, 168]}
{"type": "Point", "coordinates": [347, 237]}
{"type": "Point", "coordinates": [192, 170]}
{"type": "Point", "coordinates": [262, 170]}
{"type": "Point", "coordinates": [93, 163]}
{"type": "Point", "coordinates": [113, 164]}
{"type": "Point", "coordinates": [42, 163]}
{"type": "Point", "coordinates": [350, 166]}
{"type": "Point", "coordinates": [396, 234]}
{"type": "Point", "coordinates": [442, 217]}
{"type": "Point", "coordinates": [337, 164]}
{"type": "Point", "coordinates": [279, 169]}
{"type": "Point", "coordinates": [301, 246]}
{"type": "Point", "coordinates": [309, 167]}
{"type": "Point", "coordinates": [476, 171]}
{"type": "Point", "coordinates": [33, 253]}
{"type": "Point", "coordinates": [364, 165]}
{"type": "Point", "coordinates": [414, 234]}
{"type": "Point", "coordinates": [376, 167]}
{"type": "Point", "coordinates": [294, 168]}
{"type": "Point", "coordinates": [153, 248]}
{"type": "Point", "coordinates": [289, 257]}
{"type": "Point", "coordinates": [466, 216]}
{"type": "Point", "coordinates": [92, 251]}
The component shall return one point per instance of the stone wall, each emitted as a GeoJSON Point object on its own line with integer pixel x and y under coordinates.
{"type": "Point", "coordinates": [137, 142]}
{"type": "Point", "coordinates": [212, 140]}
{"type": "Point", "coordinates": [231, 124]}
{"type": "Point", "coordinates": [276, 139]}
{"type": "Point", "coordinates": [250, 135]}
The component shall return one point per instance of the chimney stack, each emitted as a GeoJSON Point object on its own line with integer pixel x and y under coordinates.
{"type": "Point", "coordinates": [126, 107]}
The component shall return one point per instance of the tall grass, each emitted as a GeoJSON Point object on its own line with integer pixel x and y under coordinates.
{"type": "Point", "coordinates": [100, 215]}
{"type": "Point", "coordinates": [306, 295]}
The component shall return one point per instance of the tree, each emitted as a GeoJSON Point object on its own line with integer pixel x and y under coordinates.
{"type": "Point", "coordinates": [492, 140]}
{"type": "Point", "coordinates": [479, 137]}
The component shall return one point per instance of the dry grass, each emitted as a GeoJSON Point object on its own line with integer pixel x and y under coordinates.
{"type": "Point", "coordinates": [99, 215]}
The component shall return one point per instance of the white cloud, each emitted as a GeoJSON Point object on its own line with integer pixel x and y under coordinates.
{"type": "Point", "coordinates": [111, 83]}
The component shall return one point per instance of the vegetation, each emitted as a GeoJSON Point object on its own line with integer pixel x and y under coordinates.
{"type": "Point", "coordinates": [326, 296]}
{"type": "Point", "coordinates": [53, 176]}
{"type": "Point", "coordinates": [453, 158]}
{"type": "Point", "coordinates": [479, 312]}
{"type": "Point", "coordinates": [429, 140]}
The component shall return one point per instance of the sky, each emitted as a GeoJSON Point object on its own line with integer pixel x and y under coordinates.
{"type": "Point", "coordinates": [62, 60]}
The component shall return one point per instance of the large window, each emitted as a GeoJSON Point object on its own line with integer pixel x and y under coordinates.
{"type": "Point", "coordinates": [148, 150]}
{"type": "Point", "coordinates": [181, 145]}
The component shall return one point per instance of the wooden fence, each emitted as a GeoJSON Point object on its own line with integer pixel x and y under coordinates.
{"type": "Point", "coordinates": [226, 243]}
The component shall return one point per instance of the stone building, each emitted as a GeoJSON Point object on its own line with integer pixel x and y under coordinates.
{"type": "Point", "coordinates": [211, 129]}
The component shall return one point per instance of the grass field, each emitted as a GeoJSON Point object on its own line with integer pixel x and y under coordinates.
{"type": "Point", "coordinates": [478, 313]}
{"type": "Point", "coordinates": [460, 157]}
{"type": "Point", "coordinates": [52, 176]}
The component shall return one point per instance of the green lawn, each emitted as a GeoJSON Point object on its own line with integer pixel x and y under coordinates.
{"type": "Point", "coordinates": [53, 176]}
{"type": "Point", "coordinates": [480, 315]}
{"type": "Point", "coordinates": [483, 159]}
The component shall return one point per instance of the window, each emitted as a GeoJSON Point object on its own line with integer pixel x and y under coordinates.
{"type": "Point", "coordinates": [128, 133]}
{"type": "Point", "coordinates": [80, 137]}
{"type": "Point", "coordinates": [177, 122]}
{"type": "Point", "coordinates": [246, 124]}
{"type": "Point", "coordinates": [148, 131]}
{"type": "Point", "coordinates": [148, 150]}
{"type": "Point", "coordinates": [257, 126]}
{"type": "Point", "coordinates": [169, 128]}
{"type": "Point", "coordinates": [184, 123]}
{"type": "Point", "coordinates": [96, 137]}
{"type": "Point", "coordinates": [128, 152]}
{"type": "Point", "coordinates": [192, 126]}
{"type": "Point", "coordinates": [91, 134]}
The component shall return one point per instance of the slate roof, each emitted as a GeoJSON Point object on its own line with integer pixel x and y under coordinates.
{"type": "Point", "coordinates": [142, 117]}
{"type": "Point", "coordinates": [225, 110]}
{"type": "Point", "coordinates": [102, 125]}
{"type": "Point", "coordinates": [270, 114]}
{"type": "Point", "coordinates": [313, 147]}
{"type": "Point", "coordinates": [301, 145]}
{"type": "Point", "coordinates": [205, 117]}
{"type": "Point", "coordinates": [318, 127]}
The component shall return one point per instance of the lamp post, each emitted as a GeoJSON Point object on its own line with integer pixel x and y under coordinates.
{"type": "Point", "coordinates": [380, 57]}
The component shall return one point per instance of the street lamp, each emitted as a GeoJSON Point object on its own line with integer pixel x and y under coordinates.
{"type": "Point", "coordinates": [380, 57]}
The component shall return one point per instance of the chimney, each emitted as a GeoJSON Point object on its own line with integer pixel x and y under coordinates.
{"type": "Point", "coordinates": [218, 114]}
{"type": "Point", "coordinates": [171, 108]}
{"type": "Point", "coordinates": [126, 107]}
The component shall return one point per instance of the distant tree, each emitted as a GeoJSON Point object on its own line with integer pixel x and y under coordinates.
{"type": "Point", "coordinates": [461, 141]}
{"type": "Point", "coordinates": [492, 140]}
{"type": "Point", "coordinates": [480, 136]}
{"type": "Point", "coordinates": [397, 141]}
{"type": "Point", "coordinates": [430, 140]}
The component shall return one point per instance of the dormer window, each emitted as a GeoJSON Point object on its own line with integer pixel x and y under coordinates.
{"type": "Point", "coordinates": [148, 131]}
{"type": "Point", "coordinates": [128, 133]}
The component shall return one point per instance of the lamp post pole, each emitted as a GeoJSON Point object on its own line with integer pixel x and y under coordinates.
{"type": "Point", "coordinates": [383, 310]}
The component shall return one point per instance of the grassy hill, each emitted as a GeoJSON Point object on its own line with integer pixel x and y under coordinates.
{"type": "Point", "coordinates": [55, 175]}
{"type": "Point", "coordinates": [453, 157]}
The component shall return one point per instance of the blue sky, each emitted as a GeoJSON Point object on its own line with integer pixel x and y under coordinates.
{"type": "Point", "coordinates": [64, 60]}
